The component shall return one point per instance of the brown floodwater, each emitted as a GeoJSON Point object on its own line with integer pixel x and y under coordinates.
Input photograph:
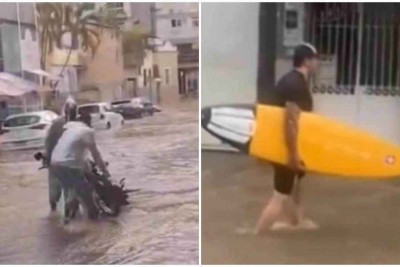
{"type": "Point", "coordinates": [157, 155]}
{"type": "Point", "coordinates": [359, 221]}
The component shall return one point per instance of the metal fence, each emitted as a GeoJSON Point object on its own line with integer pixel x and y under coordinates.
{"type": "Point", "coordinates": [359, 43]}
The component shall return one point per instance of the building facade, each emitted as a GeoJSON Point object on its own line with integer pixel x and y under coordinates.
{"type": "Point", "coordinates": [358, 81]}
{"type": "Point", "coordinates": [142, 13]}
{"type": "Point", "coordinates": [179, 24]}
{"type": "Point", "coordinates": [156, 77]}
{"type": "Point", "coordinates": [19, 52]}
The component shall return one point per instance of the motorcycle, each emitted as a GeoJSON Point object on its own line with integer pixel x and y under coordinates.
{"type": "Point", "coordinates": [108, 197]}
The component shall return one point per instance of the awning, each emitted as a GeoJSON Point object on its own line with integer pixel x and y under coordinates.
{"type": "Point", "coordinates": [11, 85]}
{"type": "Point", "coordinates": [43, 73]}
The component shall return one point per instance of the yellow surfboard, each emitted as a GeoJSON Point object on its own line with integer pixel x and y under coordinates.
{"type": "Point", "coordinates": [325, 145]}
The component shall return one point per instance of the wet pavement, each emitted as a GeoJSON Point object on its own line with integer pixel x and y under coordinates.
{"type": "Point", "coordinates": [359, 220]}
{"type": "Point", "coordinates": [158, 155]}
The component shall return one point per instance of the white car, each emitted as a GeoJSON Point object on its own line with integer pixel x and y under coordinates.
{"type": "Point", "coordinates": [102, 114]}
{"type": "Point", "coordinates": [26, 130]}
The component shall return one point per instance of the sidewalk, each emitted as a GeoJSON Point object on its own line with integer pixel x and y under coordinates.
{"type": "Point", "coordinates": [359, 220]}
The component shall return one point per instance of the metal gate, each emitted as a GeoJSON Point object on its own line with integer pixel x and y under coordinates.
{"type": "Point", "coordinates": [360, 62]}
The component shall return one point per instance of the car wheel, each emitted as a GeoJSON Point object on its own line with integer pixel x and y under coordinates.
{"type": "Point", "coordinates": [108, 125]}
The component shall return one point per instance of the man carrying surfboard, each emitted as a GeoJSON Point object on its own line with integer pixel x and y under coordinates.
{"type": "Point", "coordinates": [292, 93]}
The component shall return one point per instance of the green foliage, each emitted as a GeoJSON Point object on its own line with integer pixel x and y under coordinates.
{"type": "Point", "coordinates": [135, 43]}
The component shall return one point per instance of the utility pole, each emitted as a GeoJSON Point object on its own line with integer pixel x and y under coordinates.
{"type": "Point", "coordinates": [153, 14]}
{"type": "Point", "coordinates": [20, 38]}
{"type": "Point", "coordinates": [20, 52]}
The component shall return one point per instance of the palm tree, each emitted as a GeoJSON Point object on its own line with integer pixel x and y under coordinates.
{"type": "Point", "coordinates": [84, 25]}
{"type": "Point", "coordinates": [78, 20]}
{"type": "Point", "coordinates": [135, 43]}
{"type": "Point", "coordinates": [50, 21]}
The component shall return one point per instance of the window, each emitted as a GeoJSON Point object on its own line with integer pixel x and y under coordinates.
{"type": "Point", "coordinates": [89, 109]}
{"type": "Point", "coordinates": [156, 71]}
{"type": "Point", "coordinates": [176, 23]}
{"type": "Point", "coordinates": [115, 5]}
{"type": "Point", "coordinates": [1, 56]}
{"type": "Point", "coordinates": [195, 85]}
{"type": "Point", "coordinates": [291, 19]}
{"type": "Point", "coordinates": [196, 22]}
{"type": "Point", "coordinates": [145, 77]}
{"type": "Point", "coordinates": [21, 121]}
{"type": "Point", "coordinates": [167, 75]}
{"type": "Point", "coordinates": [107, 108]}
{"type": "Point", "coordinates": [115, 103]}
{"type": "Point", "coordinates": [363, 54]}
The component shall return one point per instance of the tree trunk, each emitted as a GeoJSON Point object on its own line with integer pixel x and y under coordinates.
{"type": "Point", "coordinates": [73, 42]}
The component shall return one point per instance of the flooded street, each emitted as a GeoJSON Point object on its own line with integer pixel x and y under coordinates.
{"type": "Point", "coordinates": [157, 155]}
{"type": "Point", "coordinates": [359, 220]}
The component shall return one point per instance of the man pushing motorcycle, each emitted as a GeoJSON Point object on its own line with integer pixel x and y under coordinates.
{"type": "Point", "coordinates": [69, 161]}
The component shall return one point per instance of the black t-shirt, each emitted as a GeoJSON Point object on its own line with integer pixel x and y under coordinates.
{"type": "Point", "coordinates": [292, 87]}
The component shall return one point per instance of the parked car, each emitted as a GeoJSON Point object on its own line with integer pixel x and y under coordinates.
{"type": "Point", "coordinates": [102, 114]}
{"type": "Point", "coordinates": [127, 109]}
{"type": "Point", "coordinates": [26, 130]}
{"type": "Point", "coordinates": [148, 107]}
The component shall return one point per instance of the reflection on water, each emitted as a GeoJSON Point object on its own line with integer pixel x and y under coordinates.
{"type": "Point", "coordinates": [158, 155]}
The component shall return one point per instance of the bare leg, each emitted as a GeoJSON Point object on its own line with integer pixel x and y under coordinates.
{"type": "Point", "coordinates": [297, 200]}
{"type": "Point", "coordinates": [271, 212]}
{"type": "Point", "coordinates": [297, 208]}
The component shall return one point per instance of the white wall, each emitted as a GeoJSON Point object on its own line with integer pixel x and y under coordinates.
{"type": "Point", "coordinates": [185, 12]}
{"type": "Point", "coordinates": [229, 51]}
{"type": "Point", "coordinates": [30, 51]}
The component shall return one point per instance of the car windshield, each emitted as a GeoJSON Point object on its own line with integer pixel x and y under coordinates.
{"type": "Point", "coordinates": [21, 121]}
{"type": "Point", "coordinates": [89, 109]}
{"type": "Point", "coordinates": [121, 102]}
{"type": "Point", "coordinates": [108, 108]}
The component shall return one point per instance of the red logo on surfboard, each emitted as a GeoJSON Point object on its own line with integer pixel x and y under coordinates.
{"type": "Point", "coordinates": [390, 160]}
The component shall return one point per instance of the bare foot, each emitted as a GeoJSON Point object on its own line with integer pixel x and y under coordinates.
{"type": "Point", "coordinates": [305, 224]}
{"type": "Point", "coordinates": [244, 230]}
{"type": "Point", "coordinates": [283, 226]}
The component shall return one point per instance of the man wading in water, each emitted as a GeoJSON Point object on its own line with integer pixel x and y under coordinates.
{"type": "Point", "coordinates": [292, 93]}
{"type": "Point", "coordinates": [54, 134]}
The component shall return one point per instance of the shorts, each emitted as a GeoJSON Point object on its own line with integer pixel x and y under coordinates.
{"type": "Point", "coordinates": [284, 178]}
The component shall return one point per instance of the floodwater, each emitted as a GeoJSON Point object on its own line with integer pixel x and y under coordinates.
{"type": "Point", "coordinates": [157, 155]}
{"type": "Point", "coordinates": [359, 221]}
